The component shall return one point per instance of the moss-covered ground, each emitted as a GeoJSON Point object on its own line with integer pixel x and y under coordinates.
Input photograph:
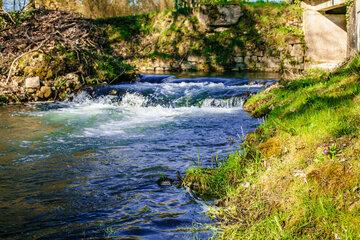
{"type": "Point", "coordinates": [298, 175]}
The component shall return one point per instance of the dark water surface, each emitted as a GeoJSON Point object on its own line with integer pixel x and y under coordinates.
{"type": "Point", "coordinates": [88, 168]}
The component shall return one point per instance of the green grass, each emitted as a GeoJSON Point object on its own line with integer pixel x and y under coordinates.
{"type": "Point", "coordinates": [298, 175]}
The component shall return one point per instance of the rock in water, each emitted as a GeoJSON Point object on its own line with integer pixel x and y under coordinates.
{"type": "Point", "coordinates": [165, 181]}
{"type": "Point", "coordinates": [32, 82]}
{"type": "Point", "coordinates": [113, 92]}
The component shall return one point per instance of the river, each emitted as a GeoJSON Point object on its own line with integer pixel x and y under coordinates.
{"type": "Point", "coordinates": [88, 168]}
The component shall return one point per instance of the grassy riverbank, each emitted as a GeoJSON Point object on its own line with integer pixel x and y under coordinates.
{"type": "Point", "coordinates": [298, 175]}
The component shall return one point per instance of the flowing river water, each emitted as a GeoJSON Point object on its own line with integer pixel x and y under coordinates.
{"type": "Point", "coordinates": [88, 168]}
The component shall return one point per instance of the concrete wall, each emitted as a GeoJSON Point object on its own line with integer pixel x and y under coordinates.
{"type": "Point", "coordinates": [352, 31]}
{"type": "Point", "coordinates": [356, 23]}
{"type": "Point", "coordinates": [325, 36]}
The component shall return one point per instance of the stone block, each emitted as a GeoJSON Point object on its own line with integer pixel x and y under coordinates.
{"type": "Point", "coordinates": [259, 53]}
{"type": "Point", "coordinates": [186, 66]}
{"type": "Point", "coordinates": [219, 16]}
{"type": "Point", "coordinates": [259, 66]}
{"type": "Point", "coordinates": [297, 52]}
{"type": "Point", "coordinates": [32, 82]}
{"type": "Point", "coordinates": [272, 63]}
{"type": "Point", "coordinates": [254, 58]}
{"type": "Point", "coordinates": [220, 29]}
{"type": "Point", "coordinates": [197, 59]}
{"type": "Point", "coordinates": [46, 91]}
{"type": "Point", "coordinates": [241, 66]}
{"type": "Point", "coordinates": [239, 59]}
{"type": "Point", "coordinates": [247, 60]}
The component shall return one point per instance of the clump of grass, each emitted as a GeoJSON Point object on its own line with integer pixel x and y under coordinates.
{"type": "Point", "coordinates": [298, 175]}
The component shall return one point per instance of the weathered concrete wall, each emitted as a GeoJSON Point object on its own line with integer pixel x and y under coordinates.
{"type": "Point", "coordinates": [354, 28]}
{"type": "Point", "coordinates": [352, 31]}
{"type": "Point", "coordinates": [325, 36]}
{"type": "Point", "coordinates": [357, 22]}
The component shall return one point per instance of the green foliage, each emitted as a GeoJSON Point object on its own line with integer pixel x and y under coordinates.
{"type": "Point", "coordinates": [14, 18]}
{"type": "Point", "coordinates": [217, 182]}
{"type": "Point", "coordinates": [126, 28]}
{"type": "Point", "coordinates": [94, 66]}
{"type": "Point", "coordinates": [3, 99]}
{"type": "Point", "coordinates": [109, 68]}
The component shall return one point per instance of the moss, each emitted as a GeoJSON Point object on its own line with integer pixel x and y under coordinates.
{"type": "Point", "coordinates": [126, 28]}
{"type": "Point", "coordinates": [270, 148]}
{"type": "Point", "coordinates": [4, 99]}
{"type": "Point", "coordinates": [109, 68]}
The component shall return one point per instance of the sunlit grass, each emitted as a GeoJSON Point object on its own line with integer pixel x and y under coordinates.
{"type": "Point", "coordinates": [298, 175]}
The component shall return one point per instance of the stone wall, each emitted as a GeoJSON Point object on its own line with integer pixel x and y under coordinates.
{"type": "Point", "coordinates": [291, 60]}
{"type": "Point", "coordinates": [216, 22]}
{"type": "Point", "coordinates": [267, 37]}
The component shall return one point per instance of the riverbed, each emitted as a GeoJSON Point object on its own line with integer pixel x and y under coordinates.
{"type": "Point", "coordinates": [89, 167]}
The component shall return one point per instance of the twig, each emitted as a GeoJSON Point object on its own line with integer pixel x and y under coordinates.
{"type": "Point", "coordinates": [28, 37]}
{"type": "Point", "coordinates": [9, 15]}
{"type": "Point", "coordinates": [16, 59]}
{"type": "Point", "coordinates": [117, 77]}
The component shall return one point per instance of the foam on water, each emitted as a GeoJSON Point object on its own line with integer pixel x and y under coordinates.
{"type": "Point", "coordinates": [234, 102]}
{"type": "Point", "coordinates": [139, 107]}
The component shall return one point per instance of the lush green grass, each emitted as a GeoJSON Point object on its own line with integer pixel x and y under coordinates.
{"type": "Point", "coordinates": [298, 175]}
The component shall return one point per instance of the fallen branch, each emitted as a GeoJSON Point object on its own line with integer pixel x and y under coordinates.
{"type": "Point", "coordinates": [2, 12]}
{"type": "Point", "coordinates": [16, 59]}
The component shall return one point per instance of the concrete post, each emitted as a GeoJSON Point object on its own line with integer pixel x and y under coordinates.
{"type": "Point", "coordinates": [357, 22]}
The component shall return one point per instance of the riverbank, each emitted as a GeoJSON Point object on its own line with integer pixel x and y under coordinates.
{"type": "Point", "coordinates": [297, 176]}
{"type": "Point", "coordinates": [51, 55]}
